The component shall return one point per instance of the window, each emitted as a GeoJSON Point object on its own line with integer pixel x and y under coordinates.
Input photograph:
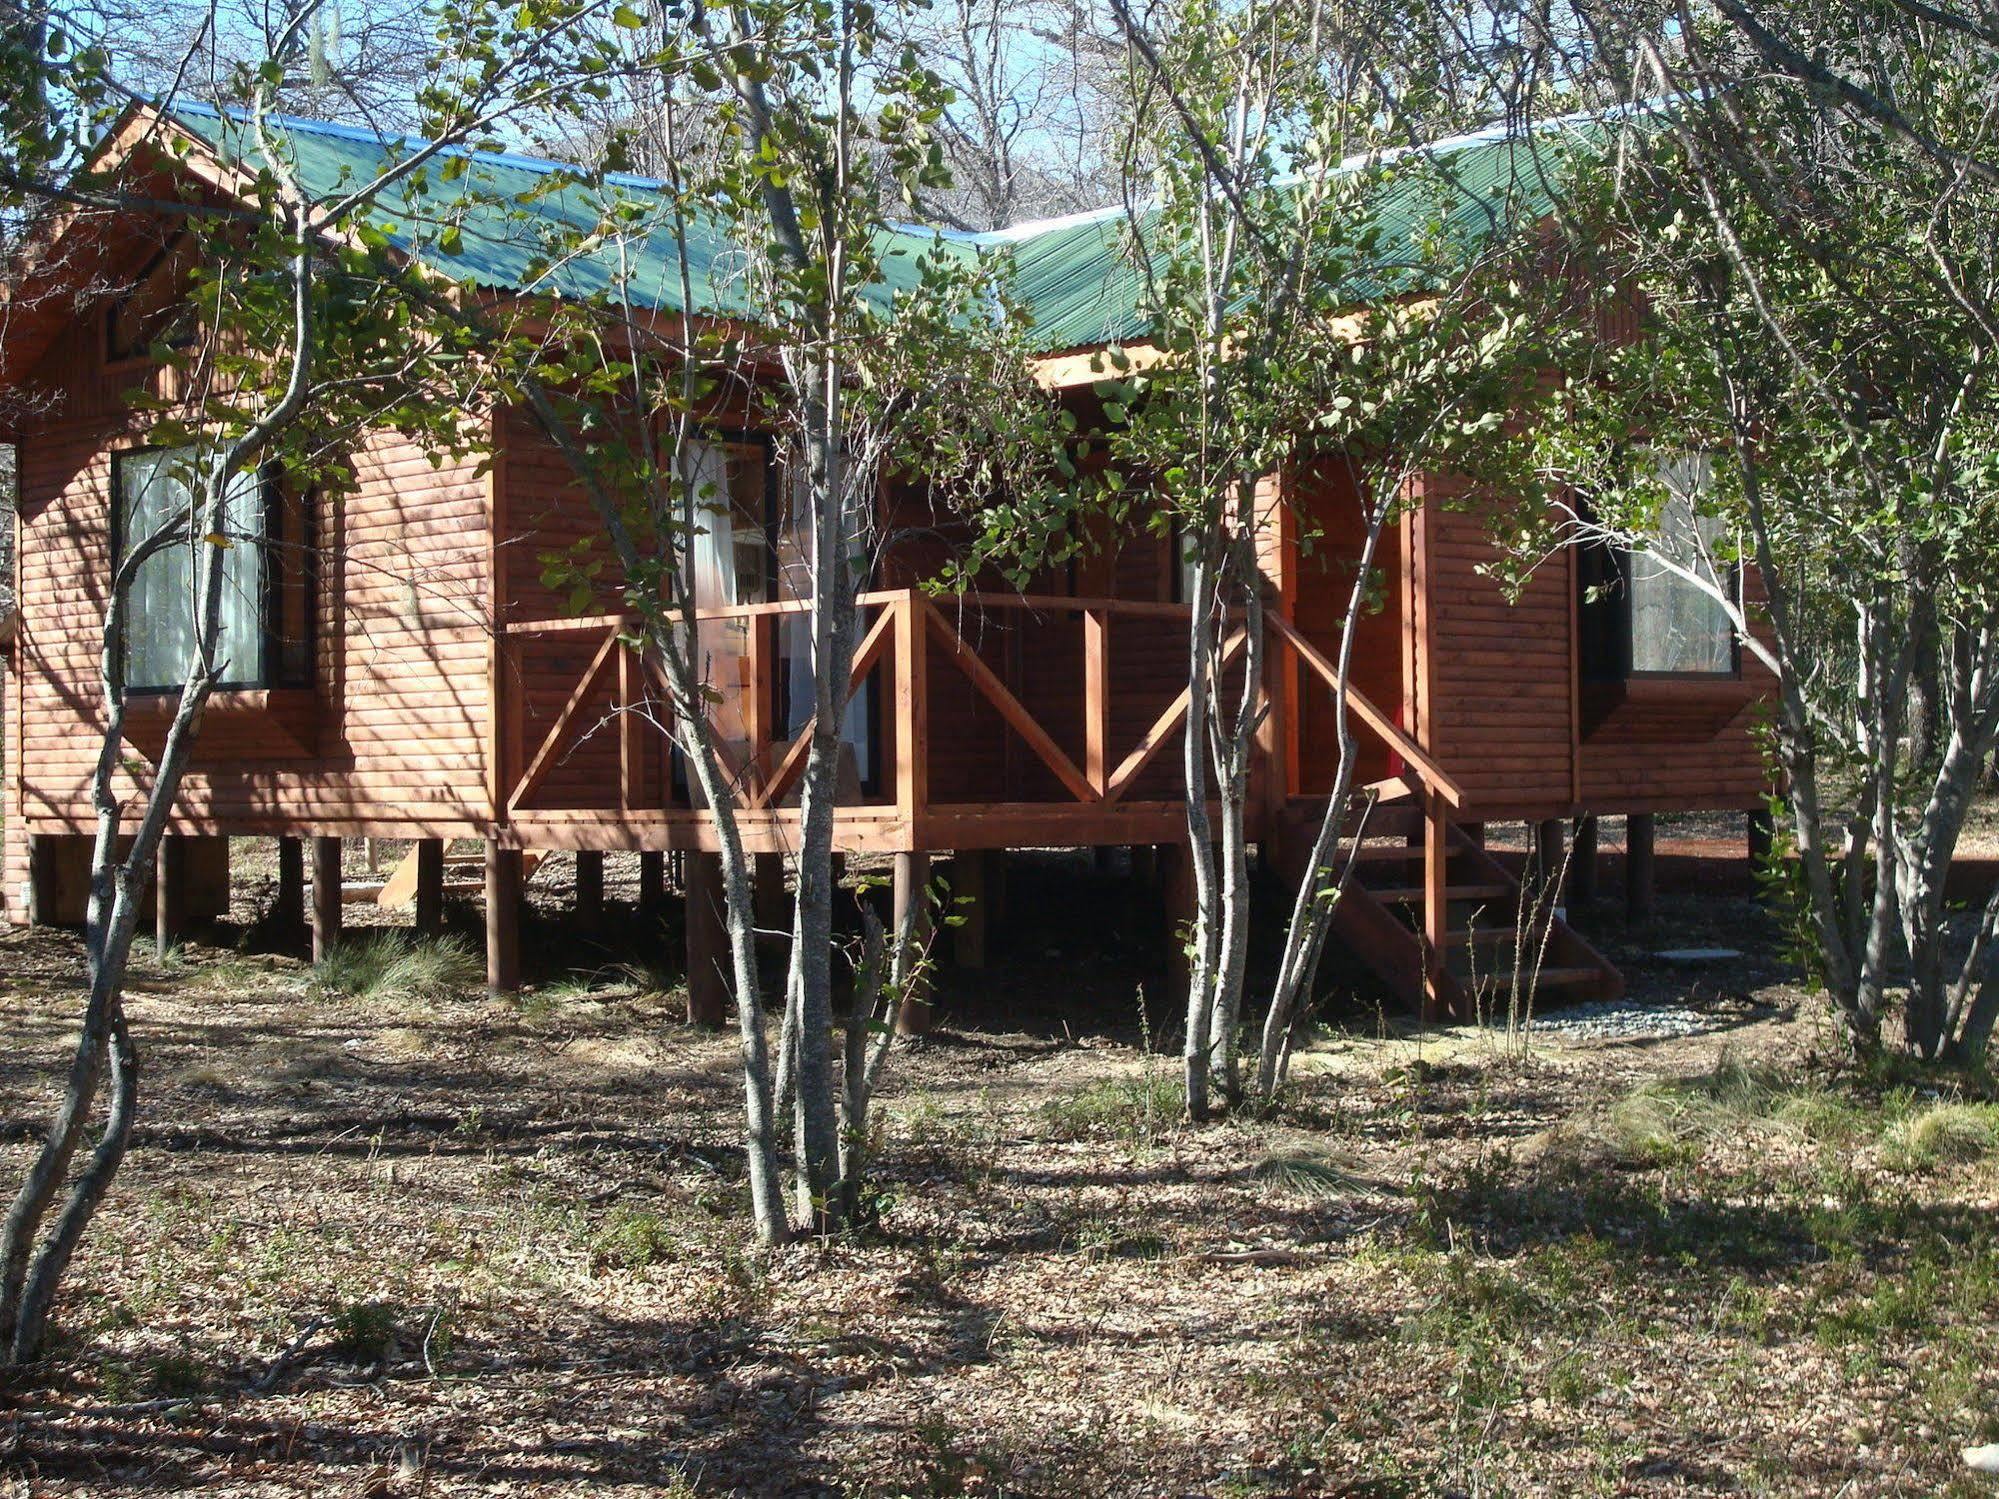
{"type": "Point", "coordinates": [1641, 616]}
{"type": "Point", "coordinates": [264, 638]}
{"type": "Point", "coordinates": [150, 311]}
{"type": "Point", "coordinates": [749, 547]}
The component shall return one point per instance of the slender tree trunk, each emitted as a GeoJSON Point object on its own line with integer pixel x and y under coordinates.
{"type": "Point", "coordinates": [1201, 649]}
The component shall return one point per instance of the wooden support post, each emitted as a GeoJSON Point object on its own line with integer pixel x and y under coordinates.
{"type": "Point", "coordinates": [912, 910]}
{"type": "Point", "coordinates": [770, 894]}
{"type": "Point", "coordinates": [1762, 831]}
{"type": "Point", "coordinates": [912, 729]}
{"type": "Point", "coordinates": [1582, 863]}
{"type": "Point", "coordinates": [707, 941]}
{"type": "Point", "coordinates": [589, 888]}
{"type": "Point", "coordinates": [1549, 836]}
{"type": "Point", "coordinates": [1436, 902]}
{"type": "Point", "coordinates": [325, 896]}
{"type": "Point", "coordinates": [59, 879]}
{"type": "Point", "coordinates": [968, 907]}
{"type": "Point", "coordinates": [429, 886]}
{"type": "Point", "coordinates": [1182, 902]}
{"type": "Point", "coordinates": [206, 873]}
{"type": "Point", "coordinates": [1144, 865]}
{"type": "Point", "coordinates": [652, 884]}
{"type": "Point", "coordinates": [503, 918]}
{"type": "Point", "coordinates": [288, 912]}
{"type": "Point", "coordinates": [1638, 867]}
{"type": "Point", "coordinates": [170, 892]}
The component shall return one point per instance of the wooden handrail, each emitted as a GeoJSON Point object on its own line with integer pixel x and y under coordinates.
{"type": "Point", "coordinates": [1039, 603]}
{"type": "Point", "coordinates": [1433, 775]}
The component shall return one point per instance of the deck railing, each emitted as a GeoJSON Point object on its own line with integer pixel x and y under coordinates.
{"type": "Point", "coordinates": [1086, 694]}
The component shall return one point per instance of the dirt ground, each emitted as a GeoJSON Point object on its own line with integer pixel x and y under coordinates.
{"type": "Point", "coordinates": [431, 1243]}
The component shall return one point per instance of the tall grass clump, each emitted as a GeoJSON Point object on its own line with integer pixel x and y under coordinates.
{"type": "Point", "coordinates": [1944, 1134]}
{"type": "Point", "coordinates": [396, 968]}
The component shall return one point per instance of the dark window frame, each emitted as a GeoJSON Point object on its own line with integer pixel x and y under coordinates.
{"type": "Point", "coordinates": [779, 689]}
{"type": "Point", "coordinates": [270, 583]}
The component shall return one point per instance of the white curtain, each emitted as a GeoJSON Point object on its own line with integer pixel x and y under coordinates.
{"type": "Point", "coordinates": [1677, 627]}
{"type": "Point", "coordinates": [160, 615]}
{"type": "Point", "coordinates": [711, 551]}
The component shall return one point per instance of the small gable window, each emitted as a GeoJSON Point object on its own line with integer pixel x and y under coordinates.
{"type": "Point", "coordinates": [151, 311]}
{"type": "Point", "coordinates": [1641, 615]}
{"type": "Point", "coordinates": [264, 634]}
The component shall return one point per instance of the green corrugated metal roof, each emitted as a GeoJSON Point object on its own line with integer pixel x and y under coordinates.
{"type": "Point", "coordinates": [1074, 276]}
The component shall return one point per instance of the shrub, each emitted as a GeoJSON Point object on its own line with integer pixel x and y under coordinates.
{"type": "Point", "coordinates": [1943, 1134]}
{"type": "Point", "coordinates": [393, 967]}
{"type": "Point", "coordinates": [631, 1238]}
{"type": "Point", "coordinates": [364, 1332]}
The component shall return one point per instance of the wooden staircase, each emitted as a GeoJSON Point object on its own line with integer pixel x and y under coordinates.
{"type": "Point", "coordinates": [1489, 942]}
{"type": "Point", "coordinates": [464, 874]}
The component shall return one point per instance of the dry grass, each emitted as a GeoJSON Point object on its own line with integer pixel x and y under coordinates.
{"type": "Point", "coordinates": [452, 1246]}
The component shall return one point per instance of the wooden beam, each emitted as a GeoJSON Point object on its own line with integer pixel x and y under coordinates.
{"type": "Point", "coordinates": [652, 883]}
{"type": "Point", "coordinates": [1437, 989]}
{"type": "Point", "coordinates": [589, 888]}
{"type": "Point", "coordinates": [1163, 729]}
{"type": "Point", "coordinates": [912, 728]}
{"type": "Point", "coordinates": [631, 749]}
{"type": "Point", "coordinates": [912, 906]}
{"type": "Point", "coordinates": [170, 892]}
{"type": "Point", "coordinates": [1096, 699]}
{"type": "Point", "coordinates": [429, 886]}
{"type": "Point", "coordinates": [288, 910]}
{"type": "Point", "coordinates": [1638, 890]}
{"type": "Point", "coordinates": [1583, 865]}
{"type": "Point", "coordinates": [503, 912]}
{"type": "Point", "coordinates": [325, 896]}
{"type": "Point", "coordinates": [969, 907]}
{"type": "Point", "coordinates": [707, 942]}
{"type": "Point", "coordinates": [557, 738]}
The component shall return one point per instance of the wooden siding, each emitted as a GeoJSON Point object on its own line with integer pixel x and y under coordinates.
{"type": "Point", "coordinates": [400, 644]}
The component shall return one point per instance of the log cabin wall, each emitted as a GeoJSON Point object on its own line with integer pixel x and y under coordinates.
{"type": "Point", "coordinates": [1324, 555]}
{"type": "Point", "coordinates": [390, 736]}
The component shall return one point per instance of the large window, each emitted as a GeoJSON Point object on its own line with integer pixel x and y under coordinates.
{"type": "Point", "coordinates": [264, 634]}
{"type": "Point", "coordinates": [751, 546]}
{"type": "Point", "coordinates": [1642, 615]}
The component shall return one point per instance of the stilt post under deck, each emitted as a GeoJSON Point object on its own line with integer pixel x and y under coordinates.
{"type": "Point", "coordinates": [589, 888]}
{"type": "Point", "coordinates": [429, 886]}
{"type": "Point", "coordinates": [912, 913]}
{"type": "Point", "coordinates": [288, 913]}
{"type": "Point", "coordinates": [1582, 863]}
{"type": "Point", "coordinates": [968, 907]}
{"type": "Point", "coordinates": [1549, 835]}
{"type": "Point", "coordinates": [1182, 901]}
{"type": "Point", "coordinates": [325, 896]}
{"type": "Point", "coordinates": [503, 918]}
{"type": "Point", "coordinates": [708, 960]}
{"type": "Point", "coordinates": [1638, 867]}
{"type": "Point", "coordinates": [652, 884]}
{"type": "Point", "coordinates": [169, 891]}
{"type": "Point", "coordinates": [1762, 831]}
{"type": "Point", "coordinates": [770, 896]}
{"type": "Point", "coordinates": [1436, 903]}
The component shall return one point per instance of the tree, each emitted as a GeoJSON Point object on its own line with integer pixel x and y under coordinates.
{"type": "Point", "coordinates": [865, 357]}
{"type": "Point", "coordinates": [1809, 220]}
{"type": "Point", "coordinates": [304, 326]}
{"type": "Point", "coordinates": [1306, 299]}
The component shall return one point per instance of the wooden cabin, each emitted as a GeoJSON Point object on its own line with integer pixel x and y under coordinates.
{"type": "Point", "coordinates": [423, 682]}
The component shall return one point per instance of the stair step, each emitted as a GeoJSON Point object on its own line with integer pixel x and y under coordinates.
{"type": "Point", "coordinates": [1410, 894]}
{"type": "Point", "coordinates": [1548, 978]}
{"type": "Point", "coordinates": [1482, 936]}
{"type": "Point", "coordinates": [1382, 853]}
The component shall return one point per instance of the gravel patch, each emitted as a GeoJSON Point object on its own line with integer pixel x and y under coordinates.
{"type": "Point", "coordinates": [1624, 1019]}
